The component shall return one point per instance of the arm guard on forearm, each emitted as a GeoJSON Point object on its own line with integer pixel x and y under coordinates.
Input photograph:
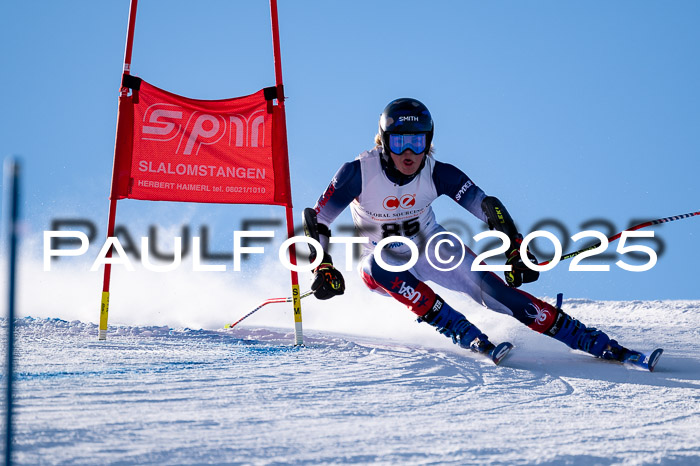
{"type": "Point", "coordinates": [499, 219]}
{"type": "Point", "coordinates": [317, 231]}
{"type": "Point", "coordinates": [328, 281]}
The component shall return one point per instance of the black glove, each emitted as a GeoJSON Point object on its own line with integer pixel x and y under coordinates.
{"type": "Point", "coordinates": [520, 273]}
{"type": "Point", "coordinates": [328, 281]}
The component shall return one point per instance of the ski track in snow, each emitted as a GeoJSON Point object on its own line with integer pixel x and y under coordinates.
{"type": "Point", "coordinates": [155, 395]}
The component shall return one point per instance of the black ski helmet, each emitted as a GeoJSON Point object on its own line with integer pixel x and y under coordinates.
{"type": "Point", "coordinates": [405, 116]}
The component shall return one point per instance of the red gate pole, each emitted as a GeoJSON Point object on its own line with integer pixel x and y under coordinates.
{"type": "Point", "coordinates": [298, 332]}
{"type": "Point", "coordinates": [104, 306]}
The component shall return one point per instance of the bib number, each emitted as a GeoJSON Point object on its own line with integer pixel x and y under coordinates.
{"type": "Point", "coordinates": [406, 229]}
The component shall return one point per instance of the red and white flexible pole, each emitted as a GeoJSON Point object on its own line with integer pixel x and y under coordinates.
{"type": "Point", "coordinates": [104, 305]}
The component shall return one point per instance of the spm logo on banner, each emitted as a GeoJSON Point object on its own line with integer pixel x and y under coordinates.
{"type": "Point", "coordinates": [164, 122]}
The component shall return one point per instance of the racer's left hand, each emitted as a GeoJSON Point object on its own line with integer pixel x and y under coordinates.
{"type": "Point", "coordinates": [520, 273]}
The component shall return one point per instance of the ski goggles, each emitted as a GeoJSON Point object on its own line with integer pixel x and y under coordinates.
{"type": "Point", "coordinates": [398, 143]}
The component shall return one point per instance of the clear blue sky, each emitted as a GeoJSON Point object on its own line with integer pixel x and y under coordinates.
{"type": "Point", "coordinates": [566, 110]}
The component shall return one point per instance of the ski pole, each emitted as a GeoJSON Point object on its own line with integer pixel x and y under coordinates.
{"type": "Point", "coordinates": [265, 303]}
{"type": "Point", "coordinates": [311, 230]}
{"type": "Point", "coordinates": [634, 228]}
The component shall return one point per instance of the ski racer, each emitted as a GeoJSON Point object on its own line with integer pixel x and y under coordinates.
{"type": "Point", "coordinates": [390, 189]}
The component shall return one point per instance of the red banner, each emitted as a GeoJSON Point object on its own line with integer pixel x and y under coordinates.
{"type": "Point", "coordinates": [171, 148]}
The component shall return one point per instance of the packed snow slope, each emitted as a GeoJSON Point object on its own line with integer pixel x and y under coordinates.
{"type": "Point", "coordinates": [161, 395]}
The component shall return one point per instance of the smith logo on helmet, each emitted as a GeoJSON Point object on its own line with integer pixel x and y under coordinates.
{"type": "Point", "coordinates": [408, 118]}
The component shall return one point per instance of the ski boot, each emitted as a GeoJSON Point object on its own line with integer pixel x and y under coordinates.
{"type": "Point", "coordinates": [576, 335]}
{"type": "Point", "coordinates": [616, 352]}
{"type": "Point", "coordinates": [454, 325]}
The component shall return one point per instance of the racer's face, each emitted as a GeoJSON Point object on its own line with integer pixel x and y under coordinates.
{"type": "Point", "coordinates": [408, 162]}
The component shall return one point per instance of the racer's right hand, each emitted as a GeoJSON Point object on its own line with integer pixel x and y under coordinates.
{"type": "Point", "coordinates": [328, 281]}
